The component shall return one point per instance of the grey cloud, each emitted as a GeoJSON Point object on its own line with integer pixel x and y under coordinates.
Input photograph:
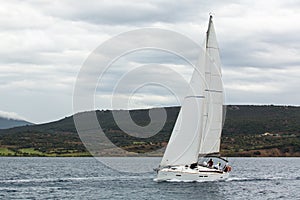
{"type": "Point", "coordinates": [262, 86]}
{"type": "Point", "coordinates": [259, 53]}
{"type": "Point", "coordinates": [132, 12]}
{"type": "Point", "coordinates": [122, 12]}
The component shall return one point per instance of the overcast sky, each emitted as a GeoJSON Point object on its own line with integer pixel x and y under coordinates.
{"type": "Point", "coordinates": [44, 44]}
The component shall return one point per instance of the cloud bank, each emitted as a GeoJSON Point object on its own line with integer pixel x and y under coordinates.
{"type": "Point", "coordinates": [44, 44]}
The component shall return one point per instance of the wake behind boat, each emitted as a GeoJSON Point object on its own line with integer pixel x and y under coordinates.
{"type": "Point", "coordinates": [197, 131]}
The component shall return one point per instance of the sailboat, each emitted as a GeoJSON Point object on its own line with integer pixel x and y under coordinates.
{"type": "Point", "coordinates": [192, 153]}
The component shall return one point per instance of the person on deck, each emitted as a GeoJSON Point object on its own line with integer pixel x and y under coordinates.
{"type": "Point", "coordinates": [218, 166]}
{"type": "Point", "coordinates": [210, 163]}
{"type": "Point", "coordinates": [227, 168]}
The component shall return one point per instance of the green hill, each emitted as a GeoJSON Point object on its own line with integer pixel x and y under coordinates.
{"type": "Point", "coordinates": [242, 134]}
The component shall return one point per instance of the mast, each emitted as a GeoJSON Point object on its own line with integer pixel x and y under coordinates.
{"type": "Point", "coordinates": [208, 30]}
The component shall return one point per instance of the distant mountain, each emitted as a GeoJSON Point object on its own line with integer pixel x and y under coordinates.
{"type": "Point", "coordinates": [10, 123]}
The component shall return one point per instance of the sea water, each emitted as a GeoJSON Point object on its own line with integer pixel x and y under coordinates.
{"type": "Point", "coordinates": [87, 178]}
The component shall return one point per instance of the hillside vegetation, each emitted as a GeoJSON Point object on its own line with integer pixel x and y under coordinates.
{"type": "Point", "coordinates": [248, 131]}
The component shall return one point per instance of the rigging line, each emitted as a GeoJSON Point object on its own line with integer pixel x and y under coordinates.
{"type": "Point", "coordinates": [212, 47]}
{"type": "Point", "coordinates": [219, 91]}
{"type": "Point", "coordinates": [200, 97]}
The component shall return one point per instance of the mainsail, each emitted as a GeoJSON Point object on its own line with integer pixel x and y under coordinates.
{"type": "Point", "coordinates": [213, 114]}
{"type": "Point", "coordinates": [199, 123]}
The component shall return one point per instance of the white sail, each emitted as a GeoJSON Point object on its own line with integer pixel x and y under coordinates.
{"type": "Point", "coordinates": [183, 146]}
{"type": "Point", "coordinates": [199, 124]}
{"type": "Point", "coordinates": [210, 143]}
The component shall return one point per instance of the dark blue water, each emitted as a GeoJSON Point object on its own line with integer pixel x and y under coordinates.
{"type": "Point", "coordinates": [87, 178]}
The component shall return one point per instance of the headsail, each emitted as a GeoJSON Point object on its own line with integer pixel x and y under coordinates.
{"type": "Point", "coordinates": [183, 146]}
{"type": "Point", "coordinates": [213, 114]}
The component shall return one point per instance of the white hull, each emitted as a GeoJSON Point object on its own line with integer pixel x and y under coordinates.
{"type": "Point", "coordinates": [185, 174]}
